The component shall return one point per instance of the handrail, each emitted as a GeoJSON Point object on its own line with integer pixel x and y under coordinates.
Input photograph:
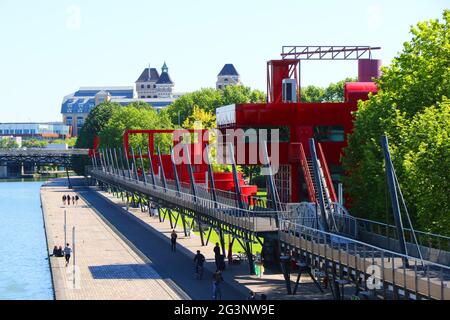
{"type": "Point", "coordinates": [351, 225]}
{"type": "Point", "coordinates": [307, 174]}
{"type": "Point", "coordinates": [326, 172]}
{"type": "Point", "coordinates": [207, 205]}
{"type": "Point", "coordinates": [332, 236]}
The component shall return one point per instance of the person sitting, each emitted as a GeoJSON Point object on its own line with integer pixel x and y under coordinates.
{"type": "Point", "coordinates": [55, 251]}
{"type": "Point", "coordinates": [60, 252]}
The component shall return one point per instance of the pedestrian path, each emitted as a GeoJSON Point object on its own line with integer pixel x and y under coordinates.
{"type": "Point", "coordinates": [176, 266]}
{"type": "Point", "coordinates": [107, 267]}
{"type": "Point", "coordinates": [237, 276]}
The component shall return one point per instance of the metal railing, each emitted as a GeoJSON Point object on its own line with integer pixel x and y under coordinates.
{"type": "Point", "coordinates": [428, 279]}
{"type": "Point", "coordinates": [248, 219]}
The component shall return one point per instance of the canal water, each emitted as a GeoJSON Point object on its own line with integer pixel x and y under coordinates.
{"type": "Point", "coordinates": [24, 266]}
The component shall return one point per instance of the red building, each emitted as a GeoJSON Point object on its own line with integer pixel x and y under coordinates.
{"type": "Point", "coordinates": [328, 123]}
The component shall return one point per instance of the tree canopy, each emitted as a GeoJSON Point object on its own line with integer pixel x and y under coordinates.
{"type": "Point", "coordinates": [333, 93]}
{"type": "Point", "coordinates": [94, 123]}
{"type": "Point", "coordinates": [209, 100]}
{"type": "Point", "coordinates": [6, 143]}
{"type": "Point", "coordinates": [132, 117]}
{"type": "Point", "coordinates": [412, 109]}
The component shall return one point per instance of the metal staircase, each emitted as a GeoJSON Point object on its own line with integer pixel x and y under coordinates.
{"type": "Point", "coordinates": [325, 192]}
{"type": "Point", "coordinates": [318, 180]}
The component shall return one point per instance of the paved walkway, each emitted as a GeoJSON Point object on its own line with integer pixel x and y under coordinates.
{"type": "Point", "coordinates": [108, 267]}
{"type": "Point", "coordinates": [177, 266]}
{"type": "Point", "coordinates": [237, 276]}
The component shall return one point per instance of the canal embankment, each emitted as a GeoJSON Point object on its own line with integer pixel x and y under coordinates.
{"type": "Point", "coordinates": [107, 267]}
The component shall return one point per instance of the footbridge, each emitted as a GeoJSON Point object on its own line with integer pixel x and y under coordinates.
{"type": "Point", "coordinates": [348, 255]}
{"type": "Point", "coordinates": [345, 255]}
{"type": "Point", "coordinates": [41, 156]}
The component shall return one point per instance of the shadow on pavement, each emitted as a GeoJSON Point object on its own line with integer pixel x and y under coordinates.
{"type": "Point", "coordinates": [124, 271]}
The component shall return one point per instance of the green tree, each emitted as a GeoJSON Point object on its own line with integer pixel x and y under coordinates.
{"type": "Point", "coordinates": [417, 80]}
{"type": "Point", "coordinates": [34, 143]}
{"type": "Point", "coordinates": [209, 100]}
{"type": "Point", "coordinates": [312, 94]}
{"type": "Point", "coordinates": [6, 143]}
{"type": "Point", "coordinates": [208, 119]}
{"type": "Point", "coordinates": [426, 161]}
{"type": "Point", "coordinates": [333, 93]}
{"type": "Point", "coordinates": [95, 121]}
{"type": "Point", "coordinates": [133, 117]}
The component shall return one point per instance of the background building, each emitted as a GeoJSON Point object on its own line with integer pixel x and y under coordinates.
{"type": "Point", "coordinates": [151, 84]}
{"type": "Point", "coordinates": [151, 87]}
{"type": "Point", "coordinates": [49, 130]}
{"type": "Point", "coordinates": [228, 76]}
{"type": "Point", "coordinates": [76, 106]}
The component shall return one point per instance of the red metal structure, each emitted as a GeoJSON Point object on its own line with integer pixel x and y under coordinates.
{"type": "Point", "coordinates": [223, 180]}
{"type": "Point", "coordinates": [328, 123]}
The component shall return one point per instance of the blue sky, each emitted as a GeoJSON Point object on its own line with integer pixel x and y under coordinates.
{"type": "Point", "coordinates": [46, 52]}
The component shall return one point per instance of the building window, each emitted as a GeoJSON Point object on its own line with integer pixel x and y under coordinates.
{"type": "Point", "coordinates": [329, 133]}
{"type": "Point", "coordinates": [142, 86]}
{"type": "Point", "coordinates": [154, 86]}
{"type": "Point", "coordinates": [142, 97]}
{"type": "Point", "coordinates": [69, 121]}
{"type": "Point", "coordinates": [148, 86]}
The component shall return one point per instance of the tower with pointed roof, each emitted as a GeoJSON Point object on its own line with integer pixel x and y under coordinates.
{"type": "Point", "coordinates": [164, 85]}
{"type": "Point", "coordinates": [228, 76]}
{"type": "Point", "coordinates": [152, 85]}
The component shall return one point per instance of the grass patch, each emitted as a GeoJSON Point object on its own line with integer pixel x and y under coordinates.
{"type": "Point", "coordinates": [256, 247]}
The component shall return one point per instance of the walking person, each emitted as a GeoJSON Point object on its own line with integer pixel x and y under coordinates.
{"type": "Point", "coordinates": [217, 285]}
{"type": "Point", "coordinates": [68, 200]}
{"type": "Point", "coordinates": [76, 199]}
{"type": "Point", "coordinates": [173, 240]}
{"type": "Point", "coordinates": [67, 253]}
{"type": "Point", "coordinates": [199, 260]}
{"type": "Point", "coordinates": [73, 200]}
{"type": "Point", "coordinates": [64, 199]}
{"type": "Point", "coordinates": [217, 256]}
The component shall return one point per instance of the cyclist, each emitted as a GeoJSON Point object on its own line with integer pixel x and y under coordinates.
{"type": "Point", "coordinates": [199, 259]}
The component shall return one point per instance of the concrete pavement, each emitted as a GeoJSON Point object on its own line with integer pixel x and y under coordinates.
{"type": "Point", "coordinates": [107, 268]}
{"type": "Point", "coordinates": [178, 266]}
